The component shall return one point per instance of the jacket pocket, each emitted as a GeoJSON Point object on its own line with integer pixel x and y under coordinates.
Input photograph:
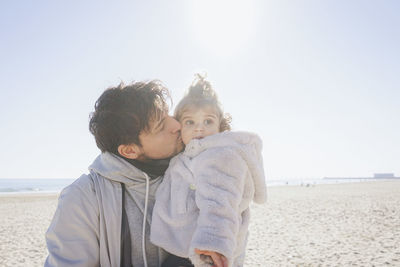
{"type": "Point", "coordinates": [182, 196]}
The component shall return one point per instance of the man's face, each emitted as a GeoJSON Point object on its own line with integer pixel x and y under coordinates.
{"type": "Point", "coordinates": [163, 140]}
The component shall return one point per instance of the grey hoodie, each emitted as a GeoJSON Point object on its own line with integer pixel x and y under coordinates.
{"type": "Point", "coordinates": [86, 228]}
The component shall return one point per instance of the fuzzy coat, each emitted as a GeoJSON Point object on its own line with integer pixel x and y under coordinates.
{"type": "Point", "coordinates": [203, 201]}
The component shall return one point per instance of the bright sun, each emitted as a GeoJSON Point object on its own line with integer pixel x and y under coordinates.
{"type": "Point", "coordinates": [222, 26]}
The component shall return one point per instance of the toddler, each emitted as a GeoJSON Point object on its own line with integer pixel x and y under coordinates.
{"type": "Point", "coordinates": [202, 205]}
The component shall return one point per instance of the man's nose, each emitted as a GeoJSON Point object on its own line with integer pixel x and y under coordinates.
{"type": "Point", "coordinates": [174, 125]}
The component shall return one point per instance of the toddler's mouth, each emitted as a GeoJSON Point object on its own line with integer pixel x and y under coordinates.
{"type": "Point", "coordinates": [198, 137]}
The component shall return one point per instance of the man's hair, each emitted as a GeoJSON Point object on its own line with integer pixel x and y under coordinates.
{"type": "Point", "coordinates": [121, 113]}
{"type": "Point", "coordinates": [201, 94]}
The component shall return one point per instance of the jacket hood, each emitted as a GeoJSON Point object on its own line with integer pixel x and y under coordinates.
{"type": "Point", "coordinates": [117, 169]}
{"type": "Point", "coordinates": [248, 145]}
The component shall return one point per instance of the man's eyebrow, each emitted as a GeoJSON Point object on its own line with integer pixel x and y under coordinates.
{"type": "Point", "coordinates": [159, 124]}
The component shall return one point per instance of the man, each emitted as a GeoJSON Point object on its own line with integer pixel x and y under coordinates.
{"type": "Point", "coordinates": [103, 217]}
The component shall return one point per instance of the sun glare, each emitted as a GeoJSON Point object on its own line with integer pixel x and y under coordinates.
{"type": "Point", "coordinates": [222, 26]}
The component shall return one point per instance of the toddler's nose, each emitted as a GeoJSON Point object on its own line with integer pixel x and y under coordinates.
{"type": "Point", "coordinates": [199, 127]}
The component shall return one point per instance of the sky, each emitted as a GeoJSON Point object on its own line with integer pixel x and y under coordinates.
{"type": "Point", "coordinates": [318, 81]}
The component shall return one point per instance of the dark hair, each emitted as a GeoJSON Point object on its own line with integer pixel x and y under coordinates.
{"type": "Point", "coordinates": [121, 113]}
{"type": "Point", "coordinates": [201, 94]}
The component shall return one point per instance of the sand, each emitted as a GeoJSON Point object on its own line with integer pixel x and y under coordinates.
{"type": "Point", "coordinates": [325, 225]}
{"type": "Point", "coordinates": [24, 220]}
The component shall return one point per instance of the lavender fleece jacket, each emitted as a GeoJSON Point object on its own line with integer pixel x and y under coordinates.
{"type": "Point", "coordinates": [203, 201]}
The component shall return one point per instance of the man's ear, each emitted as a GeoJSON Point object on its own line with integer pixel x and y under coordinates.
{"type": "Point", "coordinates": [131, 151]}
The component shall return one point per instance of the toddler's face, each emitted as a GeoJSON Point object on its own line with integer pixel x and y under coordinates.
{"type": "Point", "coordinates": [199, 123]}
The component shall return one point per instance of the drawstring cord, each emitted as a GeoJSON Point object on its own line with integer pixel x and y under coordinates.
{"type": "Point", "coordinates": [127, 246]}
{"type": "Point", "coordinates": [144, 220]}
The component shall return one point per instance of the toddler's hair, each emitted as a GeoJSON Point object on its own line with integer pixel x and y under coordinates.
{"type": "Point", "coordinates": [200, 94]}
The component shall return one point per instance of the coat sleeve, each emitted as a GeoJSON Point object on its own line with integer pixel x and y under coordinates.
{"type": "Point", "coordinates": [220, 177]}
{"type": "Point", "coordinates": [72, 238]}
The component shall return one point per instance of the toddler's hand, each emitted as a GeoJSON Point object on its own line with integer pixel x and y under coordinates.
{"type": "Point", "coordinates": [218, 259]}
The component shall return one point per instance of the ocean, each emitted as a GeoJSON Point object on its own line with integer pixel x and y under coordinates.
{"type": "Point", "coordinates": [12, 186]}
{"type": "Point", "coordinates": [16, 186]}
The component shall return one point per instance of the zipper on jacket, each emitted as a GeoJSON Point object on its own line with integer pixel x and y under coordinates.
{"type": "Point", "coordinates": [125, 257]}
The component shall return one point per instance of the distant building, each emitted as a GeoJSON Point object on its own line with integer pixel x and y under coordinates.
{"type": "Point", "coordinates": [384, 175]}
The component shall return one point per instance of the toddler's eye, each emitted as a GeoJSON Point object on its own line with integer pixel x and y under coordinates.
{"type": "Point", "coordinates": [189, 122]}
{"type": "Point", "coordinates": [208, 122]}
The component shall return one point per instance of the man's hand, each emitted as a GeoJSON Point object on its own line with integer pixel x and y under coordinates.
{"type": "Point", "coordinates": [218, 259]}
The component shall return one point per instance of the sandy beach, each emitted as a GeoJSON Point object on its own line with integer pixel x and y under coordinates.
{"type": "Point", "coordinates": [24, 220]}
{"type": "Point", "coordinates": [325, 225]}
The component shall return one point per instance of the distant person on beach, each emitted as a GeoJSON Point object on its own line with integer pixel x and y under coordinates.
{"type": "Point", "coordinates": [103, 218]}
{"type": "Point", "coordinates": [202, 205]}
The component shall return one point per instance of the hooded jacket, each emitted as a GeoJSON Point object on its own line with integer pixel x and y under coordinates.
{"type": "Point", "coordinates": [86, 227]}
{"type": "Point", "coordinates": [203, 201]}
